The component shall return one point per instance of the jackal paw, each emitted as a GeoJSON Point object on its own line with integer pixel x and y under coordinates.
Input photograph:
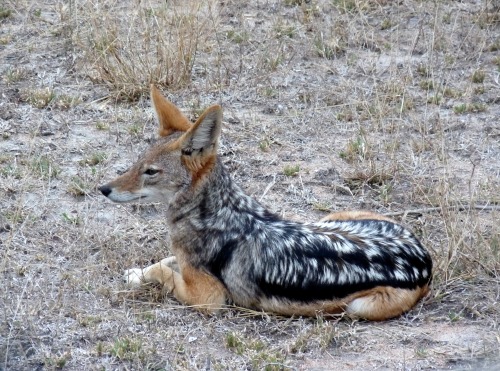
{"type": "Point", "coordinates": [134, 277]}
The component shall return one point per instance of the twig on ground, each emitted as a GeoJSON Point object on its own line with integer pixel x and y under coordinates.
{"type": "Point", "coordinates": [269, 186]}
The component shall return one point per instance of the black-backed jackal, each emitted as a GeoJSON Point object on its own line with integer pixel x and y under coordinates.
{"type": "Point", "coordinates": [230, 249]}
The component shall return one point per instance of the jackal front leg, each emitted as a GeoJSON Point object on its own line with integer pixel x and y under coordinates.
{"type": "Point", "coordinates": [191, 287]}
{"type": "Point", "coordinates": [159, 272]}
{"type": "Point", "coordinates": [197, 288]}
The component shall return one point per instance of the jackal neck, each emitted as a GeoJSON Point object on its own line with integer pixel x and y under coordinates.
{"type": "Point", "coordinates": [214, 200]}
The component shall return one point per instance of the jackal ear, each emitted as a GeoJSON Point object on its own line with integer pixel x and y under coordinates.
{"type": "Point", "coordinates": [169, 116]}
{"type": "Point", "coordinates": [203, 138]}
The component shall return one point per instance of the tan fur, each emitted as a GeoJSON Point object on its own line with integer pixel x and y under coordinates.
{"type": "Point", "coordinates": [190, 286]}
{"type": "Point", "coordinates": [356, 215]}
{"type": "Point", "coordinates": [381, 303]}
{"type": "Point", "coordinates": [195, 287]}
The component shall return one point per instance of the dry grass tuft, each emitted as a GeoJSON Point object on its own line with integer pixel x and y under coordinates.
{"type": "Point", "coordinates": [158, 44]}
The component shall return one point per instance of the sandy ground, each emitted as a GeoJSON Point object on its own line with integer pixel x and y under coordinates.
{"type": "Point", "coordinates": [341, 92]}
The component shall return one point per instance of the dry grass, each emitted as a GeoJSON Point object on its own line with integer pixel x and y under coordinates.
{"type": "Point", "coordinates": [329, 105]}
{"type": "Point", "coordinates": [157, 44]}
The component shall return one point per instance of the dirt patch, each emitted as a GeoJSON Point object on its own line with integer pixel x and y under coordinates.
{"type": "Point", "coordinates": [328, 105]}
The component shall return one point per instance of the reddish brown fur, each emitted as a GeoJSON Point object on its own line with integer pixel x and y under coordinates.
{"type": "Point", "coordinates": [201, 170]}
{"type": "Point", "coordinates": [202, 163]}
{"type": "Point", "coordinates": [170, 117]}
{"type": "Point", "coordinates": [195, 287]}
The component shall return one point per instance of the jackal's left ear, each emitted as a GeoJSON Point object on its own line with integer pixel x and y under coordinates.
{"type": "Point", "coordinates": [201, 141]}
{"type": "Point", "coordinates": [169, 116]}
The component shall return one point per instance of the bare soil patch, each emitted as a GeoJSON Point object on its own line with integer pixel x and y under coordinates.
{"type": "Point", "coordinates": [390, 106]}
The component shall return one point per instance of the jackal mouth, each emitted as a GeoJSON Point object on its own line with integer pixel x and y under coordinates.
{"type": "Point", "coordinates": [132, 198]}
{"type": "Point", "coordinates": [121, 197]}
{"type": "Point", "coordinates": [143, 198]}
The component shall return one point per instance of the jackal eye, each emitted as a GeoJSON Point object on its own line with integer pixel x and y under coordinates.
{"type": "Point", "coordinates": [151, 171]}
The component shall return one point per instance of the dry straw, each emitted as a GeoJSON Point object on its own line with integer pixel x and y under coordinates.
{"type": "Point", "coordinates": [127, 45]}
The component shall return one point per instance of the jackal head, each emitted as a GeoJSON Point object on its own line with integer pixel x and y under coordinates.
{"type": "Point", "coordinates": [183, 155]}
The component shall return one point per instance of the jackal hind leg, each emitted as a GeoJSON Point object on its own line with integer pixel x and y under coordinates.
{"type": "Point", "coordinates": [384, 302]}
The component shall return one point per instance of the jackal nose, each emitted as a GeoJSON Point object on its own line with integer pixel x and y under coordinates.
{"type": "Point", "coordinates": [105, 190]}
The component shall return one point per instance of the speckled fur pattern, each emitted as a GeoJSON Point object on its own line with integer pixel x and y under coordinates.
{"type": "Point", "coordinates": [230, 249]}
